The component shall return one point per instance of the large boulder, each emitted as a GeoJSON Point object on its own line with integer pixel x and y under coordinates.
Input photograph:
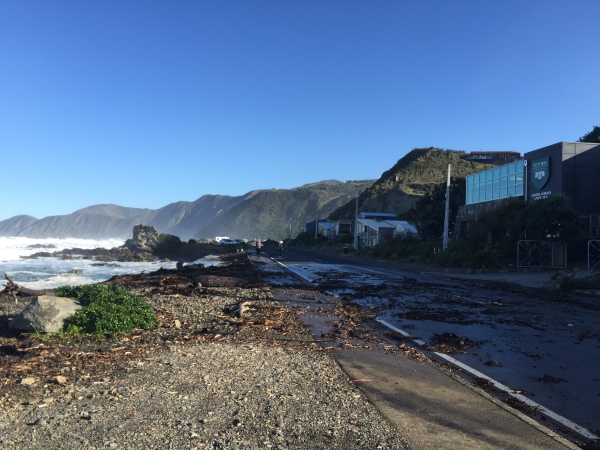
{"type": "Point", "coordinates": [145, 239]}
{"type": "Point", "coordinates": [45, 313]}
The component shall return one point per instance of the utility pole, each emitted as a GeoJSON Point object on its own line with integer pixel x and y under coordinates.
{"type": "Point", "coordinates": [447, 214]}
{"type": "Point", "coordinates": [356, 224]}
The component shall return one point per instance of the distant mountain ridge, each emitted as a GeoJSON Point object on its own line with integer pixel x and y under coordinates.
{"type": "Point", "coordinates": [272, 213]}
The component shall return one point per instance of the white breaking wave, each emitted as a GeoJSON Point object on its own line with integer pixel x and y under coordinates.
{"type": "Point", "coordinates": [12, 248]}
{"type": "Point", "coordinates": [49, 273]}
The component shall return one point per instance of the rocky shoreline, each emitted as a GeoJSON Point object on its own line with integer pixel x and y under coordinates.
{"type": "Point", "coordinates": [227, 368]}
{"type": "Point", "coordinates": [146, 245]}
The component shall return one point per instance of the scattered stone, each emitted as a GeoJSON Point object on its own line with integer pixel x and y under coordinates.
{"type": "Point", "coordinates": [45, 314]}
{"type": "Point", "coordinates": [28, 381]}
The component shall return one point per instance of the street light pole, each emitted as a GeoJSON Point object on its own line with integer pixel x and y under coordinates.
{"type": "Point", "coordinates": [447, 214]}
{"type": "Point", "coordinates": [356, 225]}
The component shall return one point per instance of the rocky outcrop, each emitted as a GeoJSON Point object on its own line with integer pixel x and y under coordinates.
{"type": "Point", "coordinates": [139, 249]}
{"type": "Point", "coordinates": [45, 314]}
{"type": "Point", "coordinates": [145, 239]}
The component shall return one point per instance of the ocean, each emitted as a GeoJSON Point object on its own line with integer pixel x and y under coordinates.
{"type": "Point", "coordinates": [49, 273]}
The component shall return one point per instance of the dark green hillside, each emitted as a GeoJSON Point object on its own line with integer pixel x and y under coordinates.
{"type": "Point", "coordinates": [272, 213]}
{"type": "Point", "coordinates": [411, 177]}
{"type": "Point", "coordinates": [281, 213]}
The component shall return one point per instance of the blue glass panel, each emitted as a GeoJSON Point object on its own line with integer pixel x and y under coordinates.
{"type": "Point", "coordinates": [503, 192]}
{"type": "Point", "coordinates": [519, 189]}
{"type": "Point", "coordinates": [503, 182]}
{"type": "Point", "coordinates": [503, 171]}
{"type": "Point", "coordinates": [511, 191]}
{"type": "Point", "coordinates": [519, 165]}
{"type": "Point", "coordinates": [511, 169]}
{"type": "Point", "coordinates": [496, 183]}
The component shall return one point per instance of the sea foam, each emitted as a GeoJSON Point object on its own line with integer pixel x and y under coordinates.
{"type": "Point", "coordinates": [12, 248]}
{"type": "Point", "coordinates": [49, 273]}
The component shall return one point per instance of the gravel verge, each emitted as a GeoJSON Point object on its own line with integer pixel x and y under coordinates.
{"type": "Point", "coordinates": [213, 375]}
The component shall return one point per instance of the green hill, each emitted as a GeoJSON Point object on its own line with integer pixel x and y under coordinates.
{"type": "Point", "coordinates": [411, 177]}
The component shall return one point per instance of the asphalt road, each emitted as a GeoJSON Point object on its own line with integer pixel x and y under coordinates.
{"type": "Point", "coordinates": [543, 350]}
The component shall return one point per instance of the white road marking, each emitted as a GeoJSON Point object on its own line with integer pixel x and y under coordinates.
{"type": "Point", "coordinates": [560, 419]}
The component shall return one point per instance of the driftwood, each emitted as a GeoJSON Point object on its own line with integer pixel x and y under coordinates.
{"type": "Point", "coordinates": [13, 288]}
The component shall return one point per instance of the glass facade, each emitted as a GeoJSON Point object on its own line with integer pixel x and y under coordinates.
{"type": "Point", "coordinates": [494, 184]}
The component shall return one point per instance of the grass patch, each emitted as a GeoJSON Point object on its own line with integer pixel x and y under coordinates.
{"type": "Point", "coordinates": [106, 310]}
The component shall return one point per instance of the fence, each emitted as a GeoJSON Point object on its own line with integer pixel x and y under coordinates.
{"type": "Point", "coordinates": [593, 254]}
{"type": "Point", "coordinates": [541, 255]}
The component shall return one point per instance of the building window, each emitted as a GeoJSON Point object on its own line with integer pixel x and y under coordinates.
{"type": "Point", "coordinates": [498, 183]}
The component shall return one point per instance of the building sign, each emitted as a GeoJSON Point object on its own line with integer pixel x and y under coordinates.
{"type": "Point", "coordinates": [541, 195]}
{"type": "Point", "coordinates": [540, 172]}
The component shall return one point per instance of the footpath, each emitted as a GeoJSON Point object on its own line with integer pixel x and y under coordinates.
{"type": "Point", "coordinates": [433, 406]}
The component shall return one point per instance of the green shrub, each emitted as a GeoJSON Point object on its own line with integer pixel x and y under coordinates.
{"type": "Point", "coordinates": [451, 257]}
{"type": "Point", "coordinates": [570, 283]}
{"type": "Point", "coordinates": [405, 248]}
{"type": "Point", "coordinates": [307, 239]}
{"type": "Point", "coordinates": [106, 310]}
{"type": "Point", "coordinates": [483, 259]}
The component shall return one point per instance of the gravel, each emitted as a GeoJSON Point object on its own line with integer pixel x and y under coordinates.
{"type": "Point", "coordinates": [206, 378]}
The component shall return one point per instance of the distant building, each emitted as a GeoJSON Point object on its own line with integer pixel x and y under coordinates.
{"type": "Point", "coordinates": [380, 228]}
{"type": "Point", "coordinates": [311, 225]}
{"type": "Point", "coordinates": [326, 229]}
{"type": "Point", "coordinates": [377, 216]}
{"type": "Point", "coordinates": [344, 227]}
{"type": "Point", "coordinates": [496, 158]}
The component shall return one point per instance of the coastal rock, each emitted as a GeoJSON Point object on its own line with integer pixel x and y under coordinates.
{"type": "Point", "coordinates": [45, 313]}
{"type": "Point", "coordinates": [139, 249]}
{"type": "Point", "coordinates": [145, 239]}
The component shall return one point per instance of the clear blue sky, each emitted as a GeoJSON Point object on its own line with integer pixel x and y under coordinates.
{"type": "Point", "coordinates": [142, 103]}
